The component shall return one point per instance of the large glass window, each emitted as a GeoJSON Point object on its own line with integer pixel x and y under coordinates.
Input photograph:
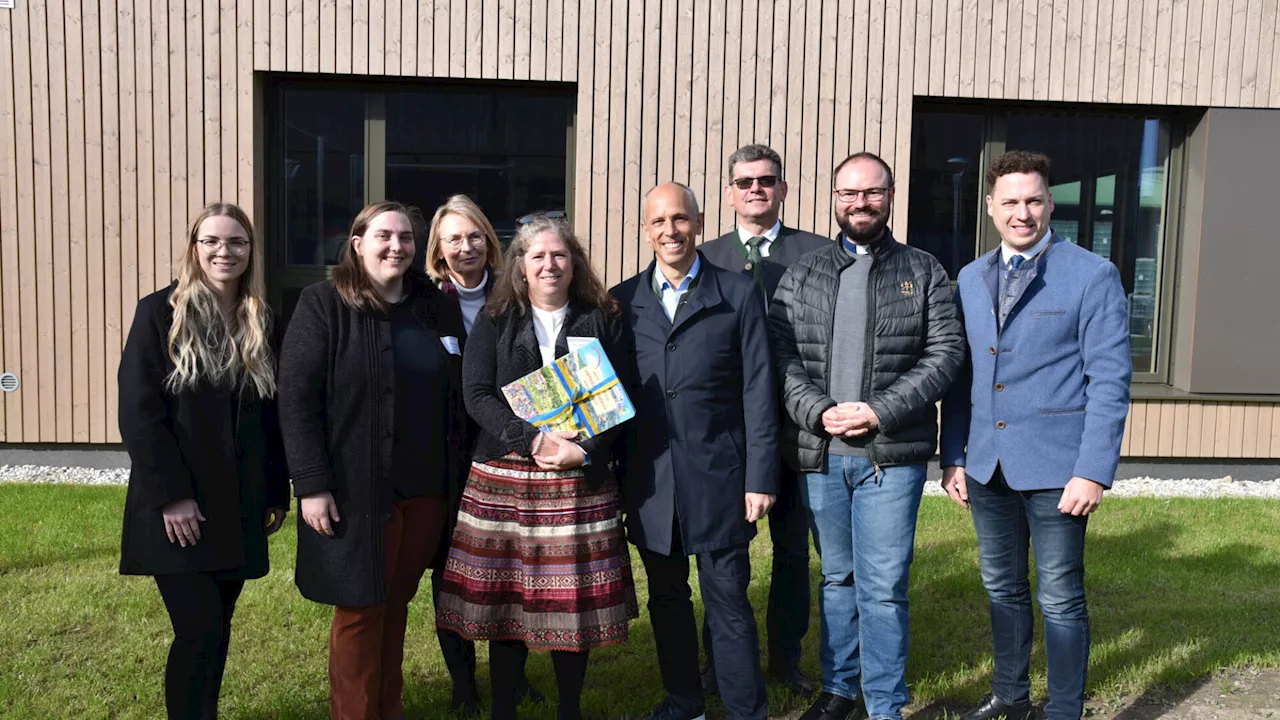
{"type": "Point", "coordinates": [334, 148]}
{"type": "Point", "coordinates": [322, 172]}
{"type": "Point", "coordinates": [506, 150]}
{"type": "Point", "coordinates": [1110, 182]}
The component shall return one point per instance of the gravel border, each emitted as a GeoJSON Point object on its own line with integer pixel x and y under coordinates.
{"type": "Point", "coordinates": [1134, 487]}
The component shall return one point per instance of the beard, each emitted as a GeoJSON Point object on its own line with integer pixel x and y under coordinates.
{"type": "Point", "coordinates": [865, 234]}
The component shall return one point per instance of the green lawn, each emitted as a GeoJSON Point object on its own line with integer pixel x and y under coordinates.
{"type": "Point", "coordinates": [1178, 590]}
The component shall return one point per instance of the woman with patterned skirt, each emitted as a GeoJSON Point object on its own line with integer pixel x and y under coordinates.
{"type": "Point", "coordinates": [538, 559]}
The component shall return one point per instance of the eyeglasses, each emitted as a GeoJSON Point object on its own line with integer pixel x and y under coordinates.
{"type": "Point", "coordinates": [745, 183]}
{"type": "Point", "coordinates": [472, 239]}
{"type": "Point", "coordinates": [237, 246]}
{"type": "Point", "coordinates": [871, 194]}
{"type": "Point", "coordinates": [551, 214]}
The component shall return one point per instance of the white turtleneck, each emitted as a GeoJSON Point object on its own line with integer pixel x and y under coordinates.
{"type": "Point", "coordinates": [472, 300]}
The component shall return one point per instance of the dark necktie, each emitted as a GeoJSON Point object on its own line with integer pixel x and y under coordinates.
{"type": "Point", "coordinates": [1015, 264]}
{"type": "Point", "coordinates": [755, 261]}
{"type": "Point", "coordinates": [1007, 290]}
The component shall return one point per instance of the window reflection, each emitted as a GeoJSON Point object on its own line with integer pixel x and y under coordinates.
{"type": "Point", "coordinates": [1109, 196]}
{"type": "Point", "coordinates": [946, 187]}
{"type": "Point", "coordinates": [323, 171]}
{"type": "Point", "coordinates": [1109, 181]}
{"type": "Point", "coordinates": [504, 147]}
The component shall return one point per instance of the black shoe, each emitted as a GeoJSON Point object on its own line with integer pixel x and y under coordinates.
{"type": "Point", "coordinates": [831, 707]}
{"type": "Point", "coordinates": [668, 710]}
{"type": "Point", "coordinates": [710, 686]}
{"type": "Point", "coordinates": [525, 691]}
{"type": "Point", "coordinates": [465, 701]}
{"type": "Point", "coordinates": [794, 680]}
{"type": "Point", "coordinates": [993, 707]}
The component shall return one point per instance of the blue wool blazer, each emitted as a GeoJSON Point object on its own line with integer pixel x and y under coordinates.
{"type": "Point", "coordinates": [1046, 398]}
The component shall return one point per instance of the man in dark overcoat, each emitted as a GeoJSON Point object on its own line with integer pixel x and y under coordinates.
{"type": "Point", "coordinates": [762, 248]}
{"type": "Point", "coordinates": [701, 463]}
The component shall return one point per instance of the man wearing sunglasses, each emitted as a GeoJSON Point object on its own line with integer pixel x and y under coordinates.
{"type": "Point", "coordinates": [866, 340]}
{"type": "Point", "coordinates": [761, 248]}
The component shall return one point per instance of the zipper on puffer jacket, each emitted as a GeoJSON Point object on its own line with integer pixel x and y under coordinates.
{"type": "Point", "coordinates": [868, 350]}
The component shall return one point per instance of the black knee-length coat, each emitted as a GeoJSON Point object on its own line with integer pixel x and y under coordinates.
{"type": "Point", "coordinates": [337, 403]}
{"type": "Point", "coordinates": [190, 445]}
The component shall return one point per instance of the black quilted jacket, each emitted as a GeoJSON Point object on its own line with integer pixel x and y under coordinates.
{"type": "Point", "coordinates": [915, 350]}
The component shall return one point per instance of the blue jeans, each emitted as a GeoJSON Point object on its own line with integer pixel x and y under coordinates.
{"type": "Point", "coordinates": [1007, 521]}
{"type": "Point", "coordinates": [864, 527]}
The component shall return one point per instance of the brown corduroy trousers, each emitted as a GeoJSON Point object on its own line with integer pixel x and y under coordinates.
{"type": "Point", "coordinates": [366, 644]}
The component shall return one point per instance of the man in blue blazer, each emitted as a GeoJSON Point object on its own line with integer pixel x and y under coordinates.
{"type": "Point", "coordinates": [701, 463]}
{"type": "Point", "coordinates": [1032, 437]}
{"type": "Point", "coordinates": [762, 248]}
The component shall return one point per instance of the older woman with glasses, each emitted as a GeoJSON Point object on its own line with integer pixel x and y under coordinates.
{"type": "Point", "coordinates": [463, 254]}
{"type": "Point", "coordinates": [538, 558]}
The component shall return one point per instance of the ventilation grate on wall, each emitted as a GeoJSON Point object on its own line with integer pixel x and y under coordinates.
{"type": "Point", "coordinates": [8, 382]}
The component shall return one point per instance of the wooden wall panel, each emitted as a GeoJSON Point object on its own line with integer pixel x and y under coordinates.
{"type": "Point", "coordinates": [121, 118]}
{"type": "Point", "coordinates": [10, 285]}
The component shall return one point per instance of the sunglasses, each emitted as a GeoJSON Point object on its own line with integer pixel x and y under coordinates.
{"type": "Point", "coordinates": [551, 214]}
{"type": "Point", "coordinates": [744, 183]}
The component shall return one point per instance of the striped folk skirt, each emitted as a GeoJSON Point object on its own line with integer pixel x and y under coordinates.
{"type": "Point", "coordinates": [538, 557]}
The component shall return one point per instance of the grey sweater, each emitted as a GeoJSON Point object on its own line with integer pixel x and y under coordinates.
{"type": "Point", "coordinates": [848, 346]}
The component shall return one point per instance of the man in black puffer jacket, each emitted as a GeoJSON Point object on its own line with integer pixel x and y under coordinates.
{"type": "Point", "coordinates": [866, 340]}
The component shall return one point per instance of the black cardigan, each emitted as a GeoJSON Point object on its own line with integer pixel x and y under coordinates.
{"type": "Point", "coordinates": [337, 399]}
{"type": "Point", "coordinates": [185, 446]}
{"type": "Point", "coordinates": [503, 349]}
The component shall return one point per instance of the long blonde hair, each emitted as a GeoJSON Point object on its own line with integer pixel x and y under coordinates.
{"type": "Point", "coordinates": [464, 206]}
{"type": "Point", "coordinates": [204, 344]}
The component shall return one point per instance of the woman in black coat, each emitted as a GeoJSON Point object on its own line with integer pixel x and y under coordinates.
{"type": "Point", "coordinates": [374, 429]}
{"type": "Point", "coordinates": [208, 481]}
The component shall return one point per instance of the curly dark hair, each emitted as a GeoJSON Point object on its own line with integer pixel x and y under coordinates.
{"type": "Point", "coordinates": [1018, 162]}
{"type": "Point", "coordinates": [511, 290]}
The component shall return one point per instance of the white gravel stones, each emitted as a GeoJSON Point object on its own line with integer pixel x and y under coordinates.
{"type": "Point", "coordinates": [64, 475]}
{"type": "Point", "coordinates": [1135, 487]}
{"type": "Point", "coordinates": [1187, 487]}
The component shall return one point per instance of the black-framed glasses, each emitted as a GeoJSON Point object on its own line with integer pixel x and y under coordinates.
{"type": "Point", "coordinates": [550, 214]}
{"type": "Point", "coordinates": [871, 194]}
{"type": "Point", "coordinates": [745, 183]}
{"type": "Point", "coordinates": [237, 246]}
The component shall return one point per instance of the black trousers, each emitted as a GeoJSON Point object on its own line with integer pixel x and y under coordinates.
{"type": "Point", "coordinates": [789, 587]}
{"type": "Point", "coordinates": [200, 607]}
{"type": "Point", "coordinates": [724, 576]}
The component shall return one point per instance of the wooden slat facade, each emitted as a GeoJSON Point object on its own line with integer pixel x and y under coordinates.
{"type": "Point", "coordinates": [119, 118]}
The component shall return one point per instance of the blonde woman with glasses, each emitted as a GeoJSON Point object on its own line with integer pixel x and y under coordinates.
{"type": "Point", "coordinates": [197, 413]}
{"type": "Point", "coordinates": [464, 260]}
{"type": "Point", "coordinates": [463, 254]}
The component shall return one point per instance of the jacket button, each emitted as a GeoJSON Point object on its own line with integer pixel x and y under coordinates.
{"type": "Point", "coordinates": [671, 347]}
{"type": "Point", "coordinates": [1001, 425]}
{"type": "Point", "coordinates": [999, 387]}
{"type": "Point", "coordinates": [671, 393]}
{"type": "Point", "coordinates": [992, 350]}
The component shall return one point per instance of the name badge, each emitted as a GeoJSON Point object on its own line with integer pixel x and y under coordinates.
{"type": "Point", "coordinates": [577, 343]}
{"type": "Point", "coordinates": [451, 344]}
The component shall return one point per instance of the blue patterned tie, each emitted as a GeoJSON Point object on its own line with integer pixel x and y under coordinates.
{"type": "Point", "coordinates": [1007, 290]}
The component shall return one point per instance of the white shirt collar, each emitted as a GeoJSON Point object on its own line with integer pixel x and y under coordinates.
{"type": "Point", "coordinates": [769, 236]}
{"type": "Point", "coordinates": [1007, 252]}
{"type": "Point", "coordinates": [688, 277]}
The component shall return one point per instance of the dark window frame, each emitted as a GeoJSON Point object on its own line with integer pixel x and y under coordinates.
{"type": "Point", "coordinates": [283, 276]}
{"type": "Point", "coordinates": [1178, 120]}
